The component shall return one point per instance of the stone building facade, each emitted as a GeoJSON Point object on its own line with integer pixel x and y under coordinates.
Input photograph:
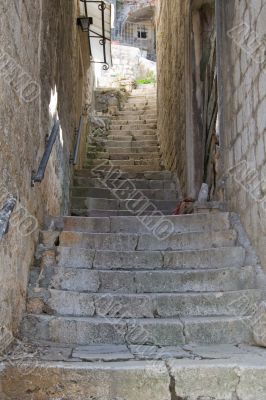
{"type": "Point", "coordinates": [237, 99]}
{"type": "Point", "coordinates": [44, 70]}
{"type": "Point", "coordinates": [135, 25]}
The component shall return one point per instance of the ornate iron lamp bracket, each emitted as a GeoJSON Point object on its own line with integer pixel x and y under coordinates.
{"type": "Point", "coordinates": [92, 34]}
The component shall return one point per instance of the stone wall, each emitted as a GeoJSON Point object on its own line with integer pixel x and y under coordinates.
{"type": "Point", "coordinates": [242, 64]}
{"type": "Point", "coordinates": [43, 68]}
{"type": "Point", "coordinates": [171, 84]}
{"type": "Point", "coordinates": [242, 103]}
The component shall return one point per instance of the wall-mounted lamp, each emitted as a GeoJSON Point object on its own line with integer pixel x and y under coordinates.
{"type": "Point", "coordinates": [84, 23]}
{"type": "Point", "coordinates": [95, 19]}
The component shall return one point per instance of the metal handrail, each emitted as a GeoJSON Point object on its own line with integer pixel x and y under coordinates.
{"type": "Point", "coordinates": [77, 146]}
{"type": "Point", "coordinates": [5, 214]}
{"type": "Point", "coordinates": [38, 177]}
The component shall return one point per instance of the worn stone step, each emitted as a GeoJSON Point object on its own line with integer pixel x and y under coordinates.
{"type": "Point", "coordinates": [121, 150]}
{"type": "Point", "coordinates": [144, 133]}
{"type": "Point", "coordinates": [217, 330]}
{"type": "Point", "coordinates": [170, 281]}
{"type": "Point", "coordinates": [123, 193]}
{"type": "Point", "coordinates": [178, 224]}
{"type": "Point", "coordinates": [85, 380]}
{"type": "Point", "coordinates": [132, 170]}
{"type": "Point", "coordinates": [127, 163]}
{"type": "Point", "coordinates": [142, 105]}
{"type": "Point", "coordinates": [148, 175]}
{"type": "Point", "coordinates": [166, 305]}
{"type": "Point", "coordinates": [146, 91]}
{"type": "Point", "coordinates": [170, 224]}
{"type": "Point", "coordinates": [87, 331]}
{"type": "Point", "coordinates": [125, 156]}
{"type": "Point", "coordinates": [137, 205]}
{"type": "Point", "coordinates": [205, 372]}
{"type": "Point", "coordinates": [140, 150]}
{"type": "Point", "coordinates": [138, 113]}
{"type": "Point", "coordinates": [130, 143]}
{"type": "Point", "coordinates": [133, 126]}
{"type": "Point", "coordinates": [150, 108]}
{"type": "Point", "coordinates": [134, 116]}
{"type": "Point", "coordinates": [106, 168]}
{"type": "Point", "coordinates": [133, 135]}
{"type": "Point", "coordinates": [142, 100]}
{"type": "Point", "coordinates": [136, 183]}
{"type": "Point", "coordinates": [136, 260]}
{"type": "Point", "coordinates": [79, 212]}
{"type": "Point", "coordinates": [124, 123]}
{"type": "Point", "coordinates": [131, 242]}
{"type": "Point", "coordinates": [161, 332]}
{"type": "Point", "coordinates": [134, 149]}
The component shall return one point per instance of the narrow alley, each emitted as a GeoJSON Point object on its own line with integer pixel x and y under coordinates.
{"type": "Point", "coordinates": [131, 221]}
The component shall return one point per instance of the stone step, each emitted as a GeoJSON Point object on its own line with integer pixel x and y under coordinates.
{"type": "Point", "coordinates": [136, 183]}
{"type": "Point", "coordinates": [215, 258]}
{"type": "Point", "coordinates": [134, 116]}
{"type": "Point", "coordinates": [79, 212]}
{"type": "Point", "coordinates": [112, 193]}
{"type": "Point", "coordinates": [156, 373]}
{"type": "Point", "coordinates": [177, 224]}
{"type": "Point", "coordinates": [113, 171]}
{"type": "Point", "coordinates": [144, 132]}
{"type": "Point", "coordinates": [140, 150]}
{"type": "Point", "coordinates": [144, 242]}
{"type": "Point", "coordinates": [133, 126]}
{"type": "Point", "coordinates": [170, 281]}
{"type": "Point", "coordinates": [133, 135]}
{"type": "Point", "coordinates": [123, 123]}
{"type": "Point", "coordinates": [166, 305]}
{"type": "Point", "coordinates": [133, 205]}
{"type": "Point", "coordinates": [150, 108]}
{"type": "Point", "coordinates": [114, 150]}
{"type": "Point", "coordinates": [138, 113]}
{"type": "Point", "coordinates": [107, 169]}
{"type": "Point", "coordinates": [144, 91]}
{"type": "Point", "coordinates": [141, 100]}
{"type": "Point", "coordinates": [126, 156]}
{"type": "Point", "coordinates": [120, 164]}
{"type": "Point", "coordinates": [131, 143]}
{"type": "Point", "coordinates": [160, 332]}
{"type": "Point", "coordinates": [148, 175]}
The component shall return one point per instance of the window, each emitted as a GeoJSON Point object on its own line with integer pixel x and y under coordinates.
{"type": "Point", "coordinates": [142, 32]}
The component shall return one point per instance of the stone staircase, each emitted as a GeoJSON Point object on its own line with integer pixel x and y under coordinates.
{"type": "Point", "coordinates": [123, 279]}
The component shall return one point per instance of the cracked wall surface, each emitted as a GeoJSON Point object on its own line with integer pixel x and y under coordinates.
{"type": "Point", "coordinates": [40, 72]}
{"type": "Point", "coordinates": [241, 44]}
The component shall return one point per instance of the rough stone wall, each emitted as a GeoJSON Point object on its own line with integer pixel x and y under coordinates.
{"type": "Point", "coordinates": [242, 63]}
{"type": "Point", "coordinates": [171, 85]}
{"type": "Point", "coordinates": [40, 75]}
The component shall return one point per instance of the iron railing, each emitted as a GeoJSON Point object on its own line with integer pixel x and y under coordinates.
{"type": "Point", "coordinates": [74, 160]}
{"type": "Point", "coordinates": [38, 177]}
{"type": "Point", "coordinates": [5, 214]}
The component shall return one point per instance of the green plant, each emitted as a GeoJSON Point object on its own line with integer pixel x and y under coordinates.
{"type": "Point", "coordinates": [146, 81]}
